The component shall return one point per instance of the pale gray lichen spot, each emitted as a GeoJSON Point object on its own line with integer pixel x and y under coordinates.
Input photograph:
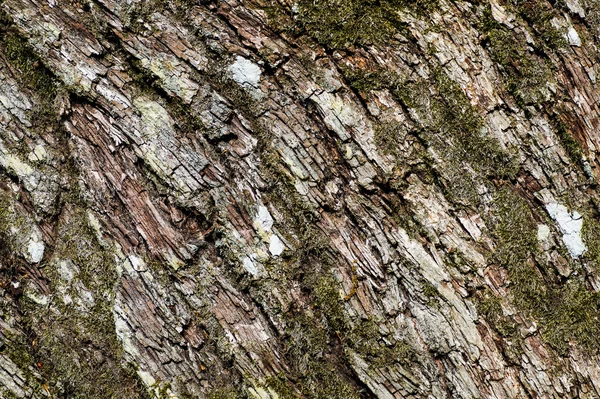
{"type": "Point", "coordinates": [245, 72]}
{"type": "Point", "coordinates": [13, 163]}
{"type": "Point", "coordinates": [155, 118]}
{"type": "Point", "coordinates": [173, 76]}
{"type": "Point", "coordinates": [263, 223]}
{"type": "Point", "coordinates": [38, 154]}
{"type": "Point", "coordinates": [157, 389]}
{"type": "Point", "coordinates": [573, 37]}
{"type": "Point", "coordinates": [261, 393]}
{"type": "Point", "coordinates": [35, 250]}
{"type": "Point", "coordinates": [123, 330]}
{"type": "Point", "coordinates": [276, 246]}
{"type": "Point", "coordinates": [249, 265]}
{"type": "Point", "coordinates": [85, 297]}
{"type": "Point", "coordinates": [576, 8]}
{"type": "Point", "coordinates": [137, 263]}
{"type": "Point", "coordinates": [66, 270]}
{"type": "Point", "coordinates": [570, 225]}
{"type": "Point", "coordinates": [264, 218]}
{"type": "Point", "coordinates": [94, 223]}
{"type": "Point", "coordinates": [543, 232]}
{"type": "Point", "coordinates": [37, 298]}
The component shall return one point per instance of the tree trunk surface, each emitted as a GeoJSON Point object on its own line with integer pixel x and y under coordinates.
{"type": "Point", "coordinates": [314, 199]}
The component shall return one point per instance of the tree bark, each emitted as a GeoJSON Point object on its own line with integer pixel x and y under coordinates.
{"type": "Point", "coordinates": [310, 199]}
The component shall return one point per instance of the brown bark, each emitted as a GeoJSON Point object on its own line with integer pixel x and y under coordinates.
{"type": "Point", "coordinates": [319, 199]}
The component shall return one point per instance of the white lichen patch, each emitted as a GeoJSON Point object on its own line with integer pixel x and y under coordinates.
{"type": "Point", "coordinates": [543, 232]}
{"type": "Point", "coordinates": [25, 233]}
{"type": "Point", "coordinates": [264, 218]}
{"type": "Point", "coordinates": [570, 224]}
{"type": "Point", "coordinates": [85, 297]}
{"type": "Point", "coordinates": [35, 250]}
{"type": "Point", "coordinates": [575, 7]}
{"type": "Point", "coordinates": [124, 332]}
{"type": "Point", "coordinates": [137, 263]}
{"type": "Point", "coordinates": [66, 270]}
{"type": "Point", "coordinates": [94, 223]}
{"type": "Point", "coordinates": [250, 266]}
{"type": "Point", "coordinates": [174, 261]}
{"type": "Point", "coordinates": [245, 72]}
{"type": "Point", "coordinates": [17, 166]}
{"type": "Point", "coordinates": [276, 246]}
{"type": "Point", "coordinates": [146, 378]}
{"type": "Point", "coordinates": [261, 393]}
{"type": "Point", "coordinates": [38, 154]}
{"type": "Point", "coordinates": [37, 298]}
{"type": "Point", "coordinates": [263, 224]}
{"type": "Point", "coordinates": [172, 75]}
{"type": "Point", "coordinates": [155, 118]}
{"type": "Point", "coordinates": [573, 37]}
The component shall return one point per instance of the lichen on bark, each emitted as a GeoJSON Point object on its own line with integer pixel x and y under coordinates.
{"type": "Point", "coordinates": [311, 199]}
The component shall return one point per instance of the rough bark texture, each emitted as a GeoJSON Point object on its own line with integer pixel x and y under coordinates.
{"type": "Point", "coordinates": [311, 199]}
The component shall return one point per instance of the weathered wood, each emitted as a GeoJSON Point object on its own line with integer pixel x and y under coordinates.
{"type": "Point", "coordinates": [313, 199]}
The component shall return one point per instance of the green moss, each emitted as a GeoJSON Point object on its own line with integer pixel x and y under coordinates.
{"type": "Point", "coordinates": [526, 75]}
{"type": "Point", "coordinates": [160, 390]}
{"type": "Point", "coordinates": [373, 78]}
{"type": "Point", "coordinates": [18, 350]}
{"type": "Point", "coordinates": [281, 386]}
{"type": "Point", "coordinates": [517, 242]}
{"type": "Point", "coordinates": [566, 312]}
{"type": "Point", "coordinates": [345, 23]}
{"type": "Point", "coordinates": [326, 382]}
{"type": "Point", "coordinates": [310, 340]}
{"type": "Point", "coordinates": [388, 137]}
{"type": "Point", "coordinates": [431, 293]}
{"type": "Point", "coordinates": [590, 233]}
{"type": "Point", "coordinates": [446, 121]}
{"type": "Point", "coordinates": [571, 146]}
{"type": "Point", "coordinates": [306, 341]}
{"type": "Point", "coordinates": [464, 125]}
{"type": "Point", "coordinates": [6, 212]}
{"type": "Point", "coordinates": [489, 306]}
{"type": "Point", "coordinates": [539, 14]}
{"type": "Point", "coordinates": [77, 350]}
{"type": "Point", "coordinates": [6, 394]}
{"type": "Point", "coordinates": [31, 73]}
{"type": "Point", "coordinates": [226, 393]}
{"type": "Point", "coordinates": [341, 24]}
{"type": "Point", "coordinates": [22, 57]}
{"type": "Point", "coordinates": [366, 339]}
{"type": "Point", "coordinates": [327, 298]}
{"type": "Point", "coordinates": [137, 14]}
{"type": "Point", "coordinates": [572, 315]}
{"type": "Point", "coordinates": [592, 11]}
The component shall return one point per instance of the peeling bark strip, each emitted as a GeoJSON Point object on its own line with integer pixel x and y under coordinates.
{"type": "Point", "coordinates": [309, 199]}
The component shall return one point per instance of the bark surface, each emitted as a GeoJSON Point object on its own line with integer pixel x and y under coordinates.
{"type": "Point", "coordinates": [311, 199]}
